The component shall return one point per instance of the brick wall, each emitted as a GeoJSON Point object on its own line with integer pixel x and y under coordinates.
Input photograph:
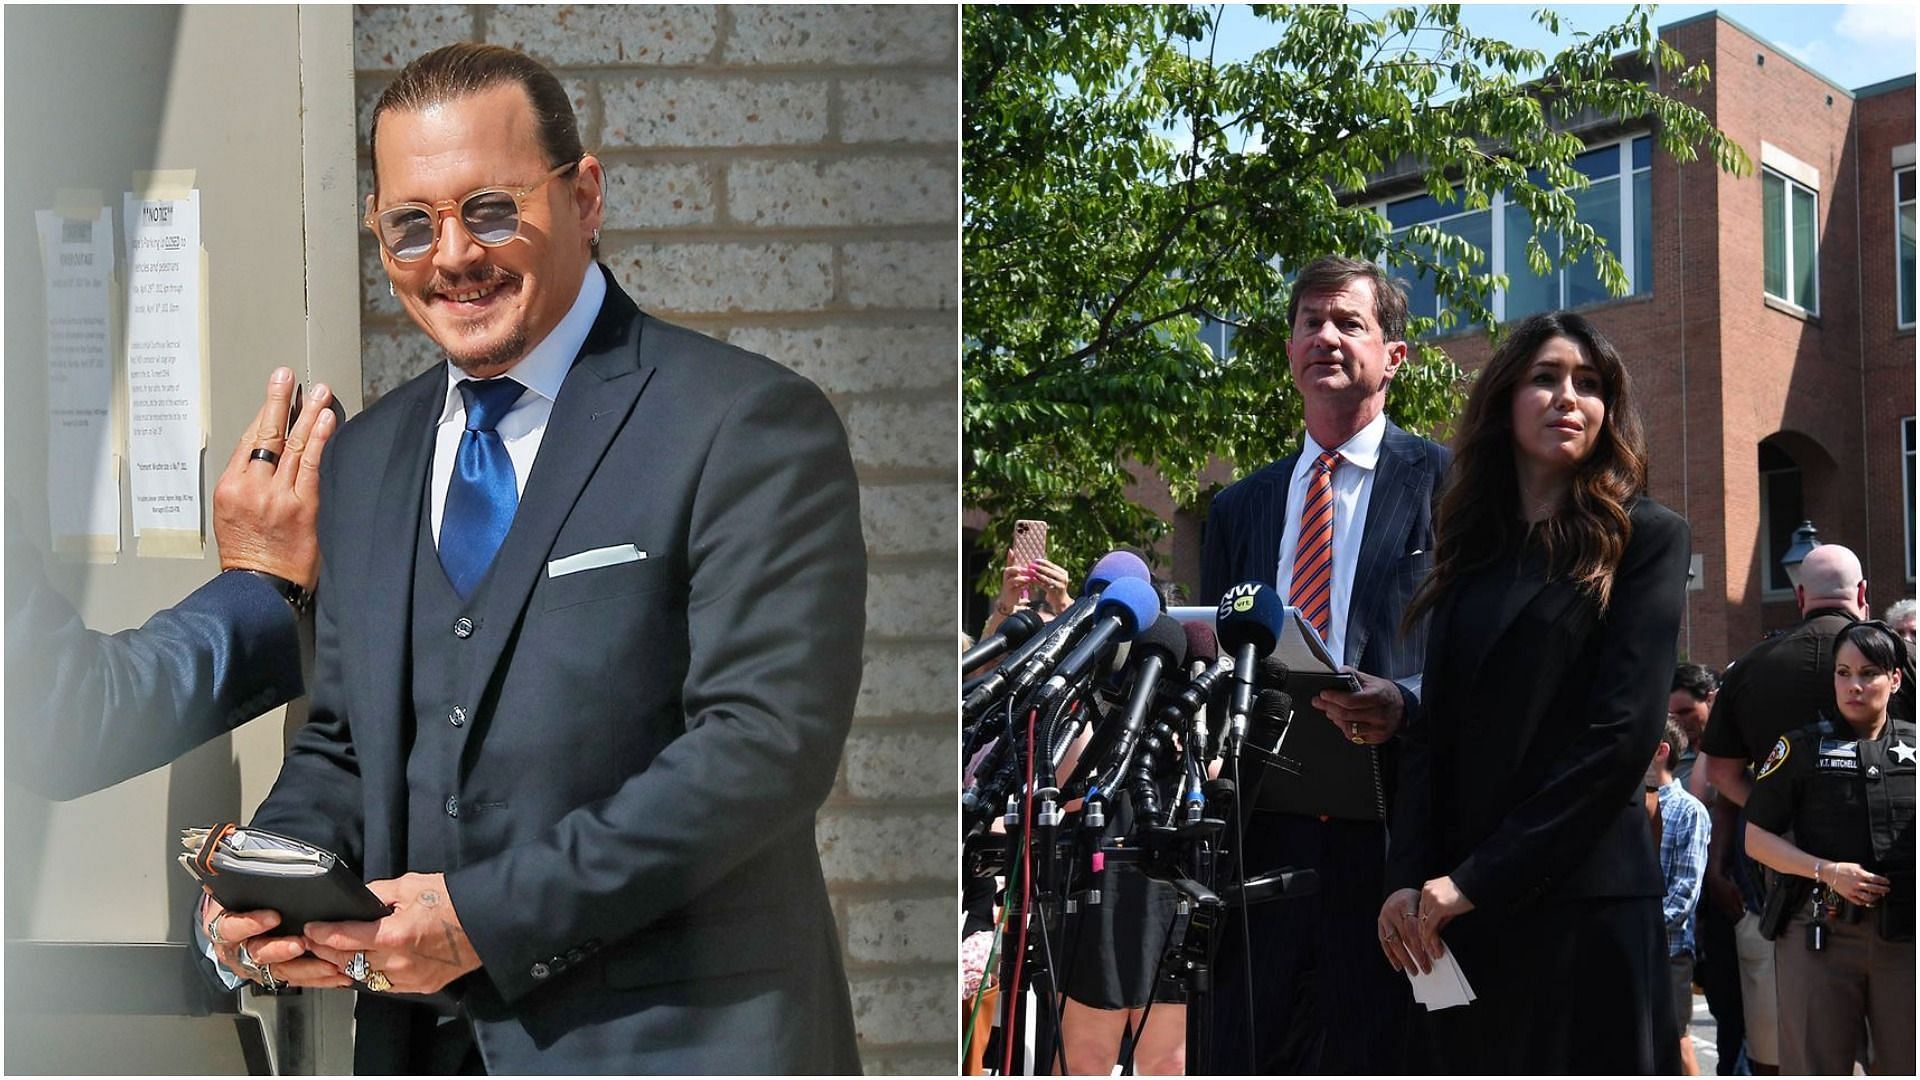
{"type": "Point", "coordinates": [1886, 121]}
{"type": "Point", "coordinates": [785, 178]}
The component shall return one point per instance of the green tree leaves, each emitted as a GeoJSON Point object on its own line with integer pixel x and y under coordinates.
{"type": "Point", "coordinates": [1121, 184]}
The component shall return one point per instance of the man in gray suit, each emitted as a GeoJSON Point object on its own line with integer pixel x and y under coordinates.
{"type": "Point", "coordinates": [86, 710]}
{"type": "Point", "coordinates": [588, 643]}
{"type": "Point", "coordinates": [1344, 530]}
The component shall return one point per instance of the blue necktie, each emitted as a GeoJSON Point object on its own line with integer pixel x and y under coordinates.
{"type": "Point", "coordinates": [482, 494]}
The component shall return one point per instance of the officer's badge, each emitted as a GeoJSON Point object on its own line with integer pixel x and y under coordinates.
{"type": "Point", "coordinates": [1902, 752]}
{"type": "Point", "coordinates": [1774, 760]}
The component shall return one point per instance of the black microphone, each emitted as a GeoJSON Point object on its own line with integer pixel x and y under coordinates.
{"type": "Point", "coordinates": [1281, 884]}
{"type": "Point", "coordinates": [1022, 669]}
{"type": "Point", "coordinates": [1248, 624]}
{"type": "Point", "coordinates": [1126, 607]}
{"type": "Point", "coordinates": [1012, 633]}
{"type": "Point", "coordinates": [1158, 648]}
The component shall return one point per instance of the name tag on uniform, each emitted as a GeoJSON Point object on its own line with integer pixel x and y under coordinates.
{"type": "Point", "coordinates": [595, 559]}
{"type": "Point", "coordinates": [1839, 755]}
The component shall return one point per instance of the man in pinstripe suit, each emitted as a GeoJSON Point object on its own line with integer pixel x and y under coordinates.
{"type": "Point", "coordinates": [1344, 530]}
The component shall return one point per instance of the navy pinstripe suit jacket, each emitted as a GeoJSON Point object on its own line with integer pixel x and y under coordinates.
{"type": "Point", "coordinates": [1243, 544]}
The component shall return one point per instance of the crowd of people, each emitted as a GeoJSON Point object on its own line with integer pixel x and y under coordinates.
{"type": "Point", "coordinates": [1575, 821]}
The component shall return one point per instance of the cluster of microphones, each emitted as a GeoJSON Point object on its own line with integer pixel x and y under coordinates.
{"type": "Point", "coordinates": [1154, 689]}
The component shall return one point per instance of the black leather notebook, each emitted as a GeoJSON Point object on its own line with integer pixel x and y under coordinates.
{"type": "Point", "coordinates": [252, 869]}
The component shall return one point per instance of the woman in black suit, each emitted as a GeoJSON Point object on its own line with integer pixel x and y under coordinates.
{"type": "Point", "coordinates": [1519, 842]}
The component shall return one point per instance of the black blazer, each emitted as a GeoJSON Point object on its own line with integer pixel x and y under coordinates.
{"type": "Point", "coordinates": [648, 742]}
{"type": "Point", "coordinates": [86, 710]}
{"type": "Point", "coordinates": [1522, 775]}
{"type": "Point", "coordinates": [1242, 543]}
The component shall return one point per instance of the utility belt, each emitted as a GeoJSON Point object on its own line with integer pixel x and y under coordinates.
{"type": "Point", "coordinates": [1788, 896]}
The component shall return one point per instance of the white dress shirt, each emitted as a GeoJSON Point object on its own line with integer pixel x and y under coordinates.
{"type": "Point", "coordinates": [542, 371]}
{"type": "Point", "coordinates": [1352, 491]}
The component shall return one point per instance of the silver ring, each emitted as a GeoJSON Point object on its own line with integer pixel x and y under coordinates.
{"type": "Point", "coordinates": [357, 967]}
{"type": "Point", "coordinates": [213, 928]}
{"type": "Point", "coordinates": [246, 959]}
{"type": "Point", "coordinates": [267, 981]}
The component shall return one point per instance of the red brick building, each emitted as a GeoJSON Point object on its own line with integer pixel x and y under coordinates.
{"type": "Point", "coordinates": [1770, 330]}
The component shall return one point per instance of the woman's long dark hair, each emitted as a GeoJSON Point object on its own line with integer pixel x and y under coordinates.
{"type": "Point", "coordinates": [1480, 517]}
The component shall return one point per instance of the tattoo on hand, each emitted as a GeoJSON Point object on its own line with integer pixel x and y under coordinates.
{"type": "Point", "coordinates": [429, 899]}
{"type": "Point", "coordinates": [452, 937]}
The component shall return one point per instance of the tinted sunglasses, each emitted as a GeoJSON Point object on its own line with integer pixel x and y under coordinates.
{"type": "Point", "coordinates": [490, 215]}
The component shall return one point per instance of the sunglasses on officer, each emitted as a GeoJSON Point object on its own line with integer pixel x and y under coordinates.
{"type": "Point", "coordinates": [491, 216]}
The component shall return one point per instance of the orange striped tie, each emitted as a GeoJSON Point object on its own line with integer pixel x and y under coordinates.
{"type": "Point", "coordinates": [1313, 555]}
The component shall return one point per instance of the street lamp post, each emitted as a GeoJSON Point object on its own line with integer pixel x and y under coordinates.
{"type": "Point", "coordinates": [1805, 539]}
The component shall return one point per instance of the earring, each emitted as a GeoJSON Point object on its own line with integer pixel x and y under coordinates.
{"type": "Point", "coordinates": [596, 237]}
{"type": "Point", "coordinates": [390, 291]}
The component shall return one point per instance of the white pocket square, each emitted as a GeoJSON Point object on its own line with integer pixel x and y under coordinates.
{"type": "Point", "coordinates": [593, 560]}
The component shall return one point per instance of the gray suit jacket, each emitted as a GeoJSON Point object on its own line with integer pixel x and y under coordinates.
{"type": "Point", "coordinates": [648, 742]}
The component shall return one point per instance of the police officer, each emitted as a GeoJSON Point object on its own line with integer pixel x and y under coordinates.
{"type": "Point", "coordinates": [1845, 787]}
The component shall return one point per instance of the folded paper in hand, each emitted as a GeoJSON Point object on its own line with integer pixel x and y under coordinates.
{"type": "Point", "coordinates": [1443, 987]}
{"type": "Point", "coordinates": [252, 869]}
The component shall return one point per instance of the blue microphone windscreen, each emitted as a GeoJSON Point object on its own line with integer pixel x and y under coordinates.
{"type": "Point", "coordinates": [1250, 614]}
{"type": "Point", "coordinates": [1113, 566]}
{"type": "Point", "coordinates": [1134, 601]}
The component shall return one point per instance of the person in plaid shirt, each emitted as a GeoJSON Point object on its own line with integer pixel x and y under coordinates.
{"type": "Point", "coordinates": [1684, 831]}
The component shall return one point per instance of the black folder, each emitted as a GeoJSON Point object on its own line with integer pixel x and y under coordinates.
{"type": "Point", "coordinates": [250, 869]}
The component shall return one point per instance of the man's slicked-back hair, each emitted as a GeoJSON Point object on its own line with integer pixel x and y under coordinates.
{"type": "Point", "coordinates": [1331, 273]}
{"type": "Point", "coordinates": [465, 68]}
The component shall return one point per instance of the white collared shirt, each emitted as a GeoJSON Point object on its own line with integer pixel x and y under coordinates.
{"type": "Point", "coordinates": [542, 371]}
{"type": "Point", "coordinates": [1352, 491]}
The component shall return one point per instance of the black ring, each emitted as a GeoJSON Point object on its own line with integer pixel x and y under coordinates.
{"type": "Point", "coordinates": [261, 453]}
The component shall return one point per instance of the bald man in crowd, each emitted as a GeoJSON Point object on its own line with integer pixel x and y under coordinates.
{"type": "Point", "coordinates": [1787, 679]}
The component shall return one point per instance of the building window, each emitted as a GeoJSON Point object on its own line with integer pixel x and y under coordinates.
{"type": "Point", "coordinates": [1906, 479]}
{"type": "Point", "coordinates": [1618, 203]}
{"type": "Point", "coordinates": [1789, 222]}
{"type": "Point", "coordinates": [1218, 336]}
{"type": "Point", "coordinates": [1903, 214]}
{"type": "Point", "coordinates": [1782, 509]}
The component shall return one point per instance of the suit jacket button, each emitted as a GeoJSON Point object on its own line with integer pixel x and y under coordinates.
{"type": "Point", "coordinates": [453, 806]}
{"type": "Point", "coordinates": [463, 627]}
{"type": "Point", "coordinates": [539, 970]}
{"type": "Point", "coordinates": [458, 716]}
{"type": "Point", "coordinates": [574, 956]}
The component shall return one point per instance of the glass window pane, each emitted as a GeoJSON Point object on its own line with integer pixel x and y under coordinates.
{"type": "Point", "coordinates": [1905, 185]}
{"type": "Point", "coordinates": [1643, 151]}
{"type": "Point", "coordinates": [1773, 219]}
{"type": "Point", "coordinates": [1475, 229]}
{"type": "Point", "coordinates": [1417, 209]}
{"type": "Point", "coordinates": [1601, 163]}
{"type": "Point", "coordinates": [1783, 516]}
{"type": "Point", "coordinates": [1642, 232]}
{"type": "Point", "coordinates": [1906, 263]}
{"type": "Point", "coordinates": [1419, 283]}
{"type": "Point", "coordinates": [1805, 260]}
{"type": "Point", "coordinates": [1527, 292]}
{"type": "Point", "coordinates": [1598, 206]}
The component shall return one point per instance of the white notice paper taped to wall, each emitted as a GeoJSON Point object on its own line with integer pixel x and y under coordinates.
{"type": "Point", "coordinates": [165, 403]}
{"type": "Point", "coordinates": [83, 474]}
